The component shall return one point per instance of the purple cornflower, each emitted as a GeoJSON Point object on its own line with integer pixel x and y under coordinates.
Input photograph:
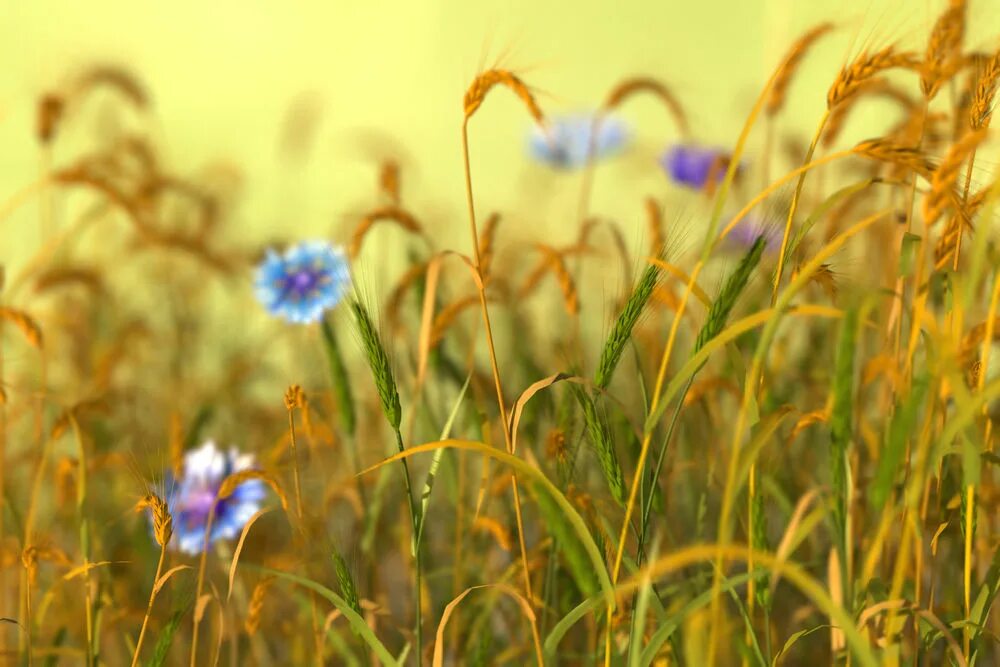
{"type": "Point", "coordinates": [695, 166]}
{"type": "Point", "coordinates": [192, 495]}
{"type": "Point", "coordinates": [749, 228]}
{"type": "Point", "coordinates": [305, 281]}
{"type": "Point", "coordinates": [565, 141]}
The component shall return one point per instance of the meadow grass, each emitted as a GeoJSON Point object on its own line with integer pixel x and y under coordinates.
{"type": "Point", "coordinates": [765, 448]}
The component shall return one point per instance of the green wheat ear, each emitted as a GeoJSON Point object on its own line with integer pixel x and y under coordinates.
{"type": "Point", "coordinates": [345, 582]}
{"type": "Point", "coordinates": [622, 330]}
{"type": "Point", "coordinates": [378, 360]}
{"type": "Point", "coordinates": [600, 439]}
{"type": "Point", "coordinates": [730, 294]}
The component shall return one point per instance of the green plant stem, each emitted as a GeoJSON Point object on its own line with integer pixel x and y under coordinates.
{"type": "Point", "coordinates": [415, 548]}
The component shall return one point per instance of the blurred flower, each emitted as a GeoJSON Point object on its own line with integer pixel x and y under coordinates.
{"type": "Point", "coordinates": [308, 279]}
{"type": "Point", "coordinates": [695, 166]}
{"type": "Point", "coordinates": [749, 228]}
{"type": "Point", "coordinates": [191, 497]}
{"type": "Point", "coordinates": [565, 141]}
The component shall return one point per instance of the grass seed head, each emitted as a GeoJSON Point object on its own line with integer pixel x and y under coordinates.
{"type": "Point", "coordinates": [863, 68]}
{"type": "Point", "coordinates": [163, 523]}
{"type": "Point", "coordinates": [483, 83]}
{"type": "Point", "coordinates": [378, 361]}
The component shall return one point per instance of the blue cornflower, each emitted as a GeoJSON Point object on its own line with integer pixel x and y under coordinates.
{"type": "Point", "coordinates": [565, 142]}
{"type": "Point", "coordinates": [191, 497]}
{"type": "Point", "coordinates": [695, 166]}
{"type": "Point", "coordinates": [308, 279]}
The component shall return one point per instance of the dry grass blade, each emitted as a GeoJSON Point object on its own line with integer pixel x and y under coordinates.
{"type": "Point", "coordinates": [779, 88]}
{"type": "Point", "coordinates": [643, 84]}
{"type": "Point", "coordinates": [400, 216]}
{"type": "Point", "coordinates": [943, 181]}
{"type": "Point", "coordinates": [523, 604]}
{"type": "Point", "coordinates": [483, 83]}
{"type": "Point", "coordinates": [24, 323]}
{"type": "Point", "coordinates": [239, 548]}
{"type": "Point", "coordinates": [447, 316]}
{"type": "Point", "coordinates": [230, 483]}
{"type": "Point", "coordinates": [864, 67]}
{"type": "Point", "coordinates": [166, 576]}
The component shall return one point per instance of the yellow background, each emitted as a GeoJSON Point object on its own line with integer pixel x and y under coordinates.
{"type": "Point", "coordinates": [387, 78]}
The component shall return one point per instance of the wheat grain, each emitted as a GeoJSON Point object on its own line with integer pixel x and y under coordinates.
{"type": "Point", "coordinates": [643, 84]}
{"type": "Point", "coordinates": [944, 49]}
{"type": "Point", "coordinates": [483, 83]}
{"type": "Point", "coordinates": [163, 523]}
{"type": "Point", "coordinates": [789, 65]}
{"type": "Point", "coordinates": [944, 177]}
{"type": "Point", "coordinates": [392, 213]}
{"type": "Point", "coordinates": [863, 68]}
{"type": "Point", "coordinates": [24, 323]}
{"type": "Point", "coordinates": [981, 108]}
{"type": "Point", "coordinates": [886, 150]}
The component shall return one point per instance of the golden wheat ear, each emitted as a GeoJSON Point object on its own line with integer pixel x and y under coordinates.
{"type": "Point", "coordinates": [483, 83]}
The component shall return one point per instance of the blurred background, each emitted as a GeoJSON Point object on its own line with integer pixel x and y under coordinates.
{"type": "Point", "coordinates": [300, 103]}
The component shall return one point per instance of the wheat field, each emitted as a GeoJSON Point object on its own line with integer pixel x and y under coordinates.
{"type": "Point", "coordinates": [652, 388]}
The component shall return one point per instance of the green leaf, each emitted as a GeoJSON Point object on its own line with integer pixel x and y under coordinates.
{"type": "Point", "coordinates": [900, 428]}
{"type": "Point", "coordinates": [355, 620]}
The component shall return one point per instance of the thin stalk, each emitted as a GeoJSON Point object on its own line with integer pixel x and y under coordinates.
{"type": "Point", "coordinates": [81, 506]}
{"type": "Point", "coordinates": [415, 548]}
{"type": "Point", "coordinates": [149, 606]}
{"type": "Point", "coordinates": [295, 466]}
{"type": "Point", "coordinates": [202, 561]}
{"type": "Point", "coordinates": [3, 497]}
{"type": "Point", "coordinates": [965, 198]}
{"type": "Point", "coordinates": [794, 207]}
{"type": "Point", "coordinates": [316, 631]}
{"type": "Point", "coordinates": [493, 357]}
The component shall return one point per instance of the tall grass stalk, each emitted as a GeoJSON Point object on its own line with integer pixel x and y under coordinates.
{"type": "Point", "coordinates": [385, 384]}
{"type": "Point", "coordinates": [481, 288]}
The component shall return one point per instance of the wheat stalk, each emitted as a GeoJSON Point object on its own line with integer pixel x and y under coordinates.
{"type": "Point", "coordinates": [163, 528]}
